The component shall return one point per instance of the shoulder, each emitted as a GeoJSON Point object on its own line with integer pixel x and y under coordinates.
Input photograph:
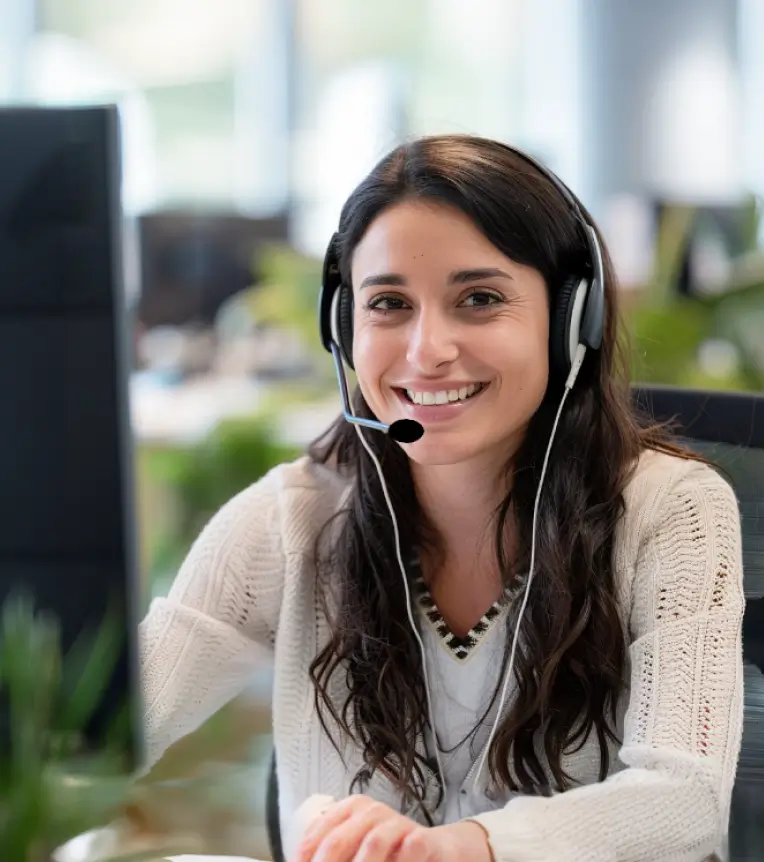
{"type": "Point", "coordinates": [290, 504]}
{"type": "Point", "coordinates": [680, 542]}
{"type": "Point", "coordinates": [235, 568]}
{"type": "Point", "coordinates": [660, 479]}
{"type": "Point", "coordinates": [306, 477]}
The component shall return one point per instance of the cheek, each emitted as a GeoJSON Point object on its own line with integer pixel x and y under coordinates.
{"type": "Point", "coordinates": [521, 348]}
{"type": "Point", "coordinates": [372, 360]}
{"type": "Point", "coordinates": [532, 381]}
{"type": "Point", "coordinates": [525, 366]}
{"type": "Point", "coordinates": [366, 353]}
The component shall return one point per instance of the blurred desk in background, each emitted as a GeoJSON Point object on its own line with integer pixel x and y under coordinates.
{"type": "Point", "coordinates": [185, 413]}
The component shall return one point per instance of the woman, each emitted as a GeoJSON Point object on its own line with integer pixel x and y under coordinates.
{"type": "Point", "coordinates": [549, 583]}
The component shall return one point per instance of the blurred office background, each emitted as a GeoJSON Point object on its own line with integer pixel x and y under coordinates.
{"type": "Point", "coordinates": [247, 122]}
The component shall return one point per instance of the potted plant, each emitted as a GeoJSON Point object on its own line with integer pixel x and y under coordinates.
{"type": "Point", "coordinates": [51, 789]}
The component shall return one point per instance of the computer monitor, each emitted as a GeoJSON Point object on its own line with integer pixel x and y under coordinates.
{"type": "Point", "coordinates": [191, 263]}
{"type": "Point", "coordinates": [67, 530]}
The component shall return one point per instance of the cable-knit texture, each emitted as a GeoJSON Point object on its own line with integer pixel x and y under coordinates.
{"type": "Point", "coordinates": [247, 592]}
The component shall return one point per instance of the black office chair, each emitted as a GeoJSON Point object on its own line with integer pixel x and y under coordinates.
{"type": "Point", "coordinates": [728, 428]}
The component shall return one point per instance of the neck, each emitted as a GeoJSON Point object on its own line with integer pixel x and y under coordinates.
{"type": "Point", "coordinates": [460, 502]}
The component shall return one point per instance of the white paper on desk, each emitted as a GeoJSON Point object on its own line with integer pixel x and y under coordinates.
{"type": "Point", "coordinates": [212, 859]}
{"type": "Point", "coordinates": [312, 807]}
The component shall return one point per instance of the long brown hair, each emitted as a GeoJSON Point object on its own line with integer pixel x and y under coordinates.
{"type": "Point", "coordinates": [570, 663]}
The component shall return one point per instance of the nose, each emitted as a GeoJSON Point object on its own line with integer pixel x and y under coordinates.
{"type": "Point", "coordinates": [432, 342]}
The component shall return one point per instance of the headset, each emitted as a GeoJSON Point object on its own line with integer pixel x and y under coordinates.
{"type": "Point", "coordinates": [577, 321]}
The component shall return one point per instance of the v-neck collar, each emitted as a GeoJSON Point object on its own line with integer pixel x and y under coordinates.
{"type": "Point", "coordinates": [460, 647]}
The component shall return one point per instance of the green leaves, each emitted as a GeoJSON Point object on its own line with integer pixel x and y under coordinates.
{"type": "Point", "coordinates": [50, 789]}
{"type": "Point", "coordinates": [237, 453]}
{"type": "Point", "coordinates": [669, 331]}
{"type": "Point", "coordinates": [88, 668]}
{"type": "Point", "coordinates": [288, 295]}
{"type": "Point", "coordinates": [30, 675]}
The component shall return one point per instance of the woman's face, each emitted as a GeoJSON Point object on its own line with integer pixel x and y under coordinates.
{"type": "Point", "coordinates": [449, 332]}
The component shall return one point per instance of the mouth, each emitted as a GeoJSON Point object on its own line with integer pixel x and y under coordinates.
{"type": "Point", "coordinates": [444, 397]}
{"type": "Point", "coordinates": [436, 408]}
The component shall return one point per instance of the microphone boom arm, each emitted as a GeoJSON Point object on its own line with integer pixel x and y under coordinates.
{"type": "Point", "coordinates": [402, 430]}
{"type": "Point", "coordinates": [346, 409]}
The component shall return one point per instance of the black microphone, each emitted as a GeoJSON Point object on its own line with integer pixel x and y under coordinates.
{"type": "Point", "coordinates": [402, 430]}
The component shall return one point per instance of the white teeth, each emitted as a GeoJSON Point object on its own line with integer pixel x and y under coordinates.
{"type": "Point", "coordinates": [444, 396]}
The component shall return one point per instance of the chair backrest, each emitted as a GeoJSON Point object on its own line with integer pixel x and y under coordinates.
{"type": "Point", "coordinates": [272, 818]}
{"type": "Point", "coordinates": [728, 428]}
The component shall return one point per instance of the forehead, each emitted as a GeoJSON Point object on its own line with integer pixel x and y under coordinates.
{"type": "Point", "coordinates": [412, 234]}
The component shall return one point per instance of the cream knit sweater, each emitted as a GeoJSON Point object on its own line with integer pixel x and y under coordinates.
{"type": "Point", "coordinates": [246, 594]}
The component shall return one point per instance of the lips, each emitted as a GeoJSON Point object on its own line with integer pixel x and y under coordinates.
{"type": "Point", "coordinates": [435, 413]}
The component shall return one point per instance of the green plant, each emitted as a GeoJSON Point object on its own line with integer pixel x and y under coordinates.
{"type": "Point", "coordinates": [237, 453]}
{"type": "Point", "coordinates": [50, 788]}
{"type": "Point", "coordinates": [668, 330]}
{"type": "Point", "coordinates": [288, 295]}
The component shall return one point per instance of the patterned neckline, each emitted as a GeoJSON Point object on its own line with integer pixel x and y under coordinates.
{"type": "Point", "coordinates": [462, 647]}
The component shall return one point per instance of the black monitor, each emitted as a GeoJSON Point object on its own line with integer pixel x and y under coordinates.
{"type": "Point", "coordinates": [191, 262]}
{"type": "Point", "coordinates": [67, 532]}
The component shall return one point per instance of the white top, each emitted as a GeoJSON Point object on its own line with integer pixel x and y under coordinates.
{"type": "Point", "coordinates": [463, 684]}
{"type": "Point", "coordinates": [246, 593]}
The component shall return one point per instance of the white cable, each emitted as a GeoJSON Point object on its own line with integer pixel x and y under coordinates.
{"type": "Point", "coordinates": [575, 368]}
{"type": "Point", "coordinates": [414, 629]}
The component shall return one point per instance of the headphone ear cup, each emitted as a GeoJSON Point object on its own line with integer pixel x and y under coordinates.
{"type": "Point", "coordinates": [559, 336]}
{"type": "Point", "coordinates": [345, 323]}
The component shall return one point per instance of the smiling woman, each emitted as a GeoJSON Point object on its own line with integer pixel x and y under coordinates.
{"type": "Point", "coordinates": [440, 310]}
{"type": "Point", "coordinates": [522, 629]}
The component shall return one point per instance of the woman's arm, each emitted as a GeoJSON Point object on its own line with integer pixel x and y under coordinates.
{"type": "Point", "coordinates": [201, 644]}
{"type": "Point", "coordinates": [683, 726]}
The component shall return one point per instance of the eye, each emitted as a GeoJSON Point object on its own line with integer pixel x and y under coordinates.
{"type": "Point", "coordinates": [483, 299]}
{"type": "Point", "coordinates": [384, 304]}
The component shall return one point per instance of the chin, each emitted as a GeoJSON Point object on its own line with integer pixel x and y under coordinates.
{"type": "Point", "coordinates": [440, 448]}
{"type": "Point", "coordinates": [442, 453]}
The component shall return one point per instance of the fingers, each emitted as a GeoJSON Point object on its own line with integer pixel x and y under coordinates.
{"type": "Point", "coordinates": [343, 842]}
{"type": "Point", "coordinates": [381, 843]}
{"type": "Point", "coordinates": [358, 829]}
{"type": "Point", "coordinates": [318, 829]}
{"type": "Point", "coordinates": [336, 835]}
{"type": "Point", "coordinates": [310, 812]}
{"type": "Point", "coordinates": [417, 846]}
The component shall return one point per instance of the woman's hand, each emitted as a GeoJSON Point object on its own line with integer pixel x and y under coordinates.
{"type": "Point", "coordinates": [358, 829]}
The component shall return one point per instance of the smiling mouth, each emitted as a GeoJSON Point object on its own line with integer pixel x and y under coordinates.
{"type": "Point", "coordinates": [444, 397]}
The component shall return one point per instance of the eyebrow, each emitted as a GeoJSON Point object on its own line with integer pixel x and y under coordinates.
{"type": "Point", "coordinates": [461, 276]}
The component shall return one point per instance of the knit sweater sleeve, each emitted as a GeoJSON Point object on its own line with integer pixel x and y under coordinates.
{"type": "Point", "coordinates": [200, 645]}
{"type": "Point", "coordinates": [683, 725]}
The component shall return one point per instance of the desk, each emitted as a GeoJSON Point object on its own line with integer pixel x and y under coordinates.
{"type": "Point", "coordinates": [98, 846]}
{"type": "Point", "coordinates": [211, 859]}
{"type": "Point", "coordinates": [185, 413]}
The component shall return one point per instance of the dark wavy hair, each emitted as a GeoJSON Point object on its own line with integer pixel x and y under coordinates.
{"type": "Point", "coordinates": [571, 656]}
